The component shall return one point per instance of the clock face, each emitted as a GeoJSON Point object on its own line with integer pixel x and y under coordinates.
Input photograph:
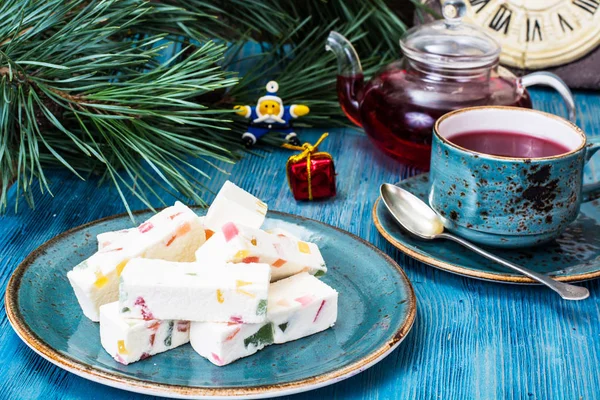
{"type": "Point", "coordinates": [539, 33]}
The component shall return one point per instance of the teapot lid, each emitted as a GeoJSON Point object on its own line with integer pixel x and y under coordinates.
{"type": "Point", "coordinates": [450, 43]}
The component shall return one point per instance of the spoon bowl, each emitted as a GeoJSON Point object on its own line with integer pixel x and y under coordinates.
{"type": "Point", "coordinates": [407, 209]}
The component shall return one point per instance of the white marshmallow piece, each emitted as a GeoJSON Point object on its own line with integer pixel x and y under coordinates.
{"type": "Point", "coordinates": [281, 232]}
{"type": "Point", "coordinates": [287, 256]}
{"type": "Point", "coordinates": [173, 234]}
{"type": "Point", "coordinates": [235, 204]}
{"type": "Point", "coordinates": [131, 340]}
{"type": "Point", "coordinates": [298, 306]}
{"type": "Point", "coordinates": [155, 289]}
{"type": "Point", "coordinates": [222, 343]}
{"type": "Point", "coordinates": [119, 237]}
{"type": "Point", "coordinates": [107, 238]}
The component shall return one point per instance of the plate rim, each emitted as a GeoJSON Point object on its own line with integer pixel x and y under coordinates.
{"type": "Point", "coordinates": [463, 271]}
{"type": "Point", "coordinates": [178, 391]}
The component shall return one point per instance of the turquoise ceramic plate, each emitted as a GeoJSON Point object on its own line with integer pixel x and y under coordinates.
{"type": "Point", "coordinates": [377, 308]}
{"type": "Point", "coordinates": [575, 256]}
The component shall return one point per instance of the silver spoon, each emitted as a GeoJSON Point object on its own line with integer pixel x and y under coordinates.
{"type": "Point", "coordinates": [419, 219]}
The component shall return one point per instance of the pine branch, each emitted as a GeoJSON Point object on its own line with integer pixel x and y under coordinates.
{"type": "Point", "coordinates": [80, 88]}
{"type": "Point", "coordinates": [84, 83]}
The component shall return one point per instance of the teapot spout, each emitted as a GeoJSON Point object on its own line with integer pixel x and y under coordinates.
{"type": "Point", "coordinates": [350, 80]}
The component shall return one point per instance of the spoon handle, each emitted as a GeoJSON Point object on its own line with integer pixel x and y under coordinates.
{"type": "Point", "coordinates": [565, 290]}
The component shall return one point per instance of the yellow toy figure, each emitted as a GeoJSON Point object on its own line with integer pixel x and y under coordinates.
{"type": "Point", "coordinates": [270, 114]}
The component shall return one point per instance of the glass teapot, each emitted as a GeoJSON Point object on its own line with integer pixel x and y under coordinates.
{"type": "Point", "coordinates": [448, 65]}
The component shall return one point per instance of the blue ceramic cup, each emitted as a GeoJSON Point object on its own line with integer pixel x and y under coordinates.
{"type": "Point", "coordinates": [508, 201]}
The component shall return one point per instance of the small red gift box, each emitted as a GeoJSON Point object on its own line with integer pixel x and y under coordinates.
{"type": "Point", "coordinates": [311, 174]}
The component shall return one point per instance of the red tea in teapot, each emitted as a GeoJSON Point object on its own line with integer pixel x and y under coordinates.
{"type": "Point", "coordinates": [399, 117]}
{"type": "Point", "coordinates": [508, 144]}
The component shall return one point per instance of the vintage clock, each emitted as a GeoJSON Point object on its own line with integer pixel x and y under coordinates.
{"type": "Point", "coordinates": [539, 33]}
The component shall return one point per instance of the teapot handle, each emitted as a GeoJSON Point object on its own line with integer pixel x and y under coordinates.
{"type": "Point", "coordinates": [591, 191]}
{"type": "Point", "coordinates": [549, 79]}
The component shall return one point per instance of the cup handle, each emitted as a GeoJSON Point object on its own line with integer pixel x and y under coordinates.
{"type": "Point", "coordinates": [591, 191]}
{"type": "Point", "coordinates": [549, 79]}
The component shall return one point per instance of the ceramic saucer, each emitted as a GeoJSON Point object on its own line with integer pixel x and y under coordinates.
{"type": "Point", "coordinates": [574, 256]}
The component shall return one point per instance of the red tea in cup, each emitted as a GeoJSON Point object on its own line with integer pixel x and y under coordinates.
{"type": "Point", "coordinates": [508, 144]}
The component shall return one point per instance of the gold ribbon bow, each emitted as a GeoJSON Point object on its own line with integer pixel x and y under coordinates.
{"type": "Point", "coordinates": [307, 150]}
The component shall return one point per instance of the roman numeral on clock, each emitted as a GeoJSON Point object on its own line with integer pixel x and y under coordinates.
{"type": "Point", "coordinates": [590, 6]}
{"type": "Point", "coordinates": [533, 30]}
{"type": "Point", "coordinates": [501, 19]}
{"type": "Point", "coordinates": [479, 4]}
{"type": "Point", "coordinates": [564, 24]}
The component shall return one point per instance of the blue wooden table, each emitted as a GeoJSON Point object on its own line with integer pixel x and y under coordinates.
{"type": "Point", "coordinates": [471, 339]}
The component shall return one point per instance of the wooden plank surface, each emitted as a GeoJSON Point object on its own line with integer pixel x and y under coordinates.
{"type": "Point", "coordinates": [471, 339]}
